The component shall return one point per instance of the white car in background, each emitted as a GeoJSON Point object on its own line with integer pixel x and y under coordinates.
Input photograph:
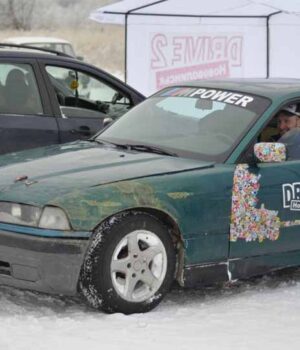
{"type": "Point", "coordinates": [49, 43]}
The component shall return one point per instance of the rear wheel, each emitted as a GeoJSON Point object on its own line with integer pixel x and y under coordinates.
{"type": "Point", "coordinates": [130, 265]}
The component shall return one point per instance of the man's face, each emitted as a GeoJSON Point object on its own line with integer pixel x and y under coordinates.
{"type": "Point", "coordinates": [286, 123]}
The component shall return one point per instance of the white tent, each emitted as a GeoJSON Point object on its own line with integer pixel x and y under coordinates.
{"type": "Point", "coordinates": [172, 41]}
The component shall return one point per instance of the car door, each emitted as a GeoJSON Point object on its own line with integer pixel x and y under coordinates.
{"type": "Point", "coordinates": [83, 99]}
{"type": "Point", "coordinates": [26, 118]}
{"type": "Point", "coordinates": [265, 216]}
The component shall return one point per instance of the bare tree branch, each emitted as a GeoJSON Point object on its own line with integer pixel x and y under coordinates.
{"type": "Point", "coordinates": [19, 13]}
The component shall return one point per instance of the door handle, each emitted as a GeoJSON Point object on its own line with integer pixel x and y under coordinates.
{"type": "Point", "coordinates": [82, 130]}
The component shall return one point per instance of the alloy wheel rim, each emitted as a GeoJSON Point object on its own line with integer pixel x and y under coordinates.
{"type": "Point", "coordinates": [138, 266]}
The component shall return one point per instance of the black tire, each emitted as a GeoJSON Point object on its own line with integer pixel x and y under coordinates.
{"type": "Point", "coordinates": [118, 278]}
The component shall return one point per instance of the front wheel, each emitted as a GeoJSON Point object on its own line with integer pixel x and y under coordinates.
{"type": "Point", "coordinates": [130, 265]}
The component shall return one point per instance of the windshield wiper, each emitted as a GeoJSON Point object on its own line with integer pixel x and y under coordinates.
{"type": "Point", "coordinates": [150, 149]}
{"type": "Point", "coordinates": [137, 147]}
{"type": "Point", "coordinates": [105, 143]}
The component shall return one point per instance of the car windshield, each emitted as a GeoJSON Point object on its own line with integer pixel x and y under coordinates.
{"type": "Point", "coordinates": [190, 122]}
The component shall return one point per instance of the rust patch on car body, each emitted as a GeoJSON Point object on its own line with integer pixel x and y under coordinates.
{"type": "Point", "coordinates": [179, 195]}
{"type": "Point", "coordinates": [141, 193]}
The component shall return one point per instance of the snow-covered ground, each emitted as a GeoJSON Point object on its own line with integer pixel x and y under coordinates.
{"type": "Point", "coordinates": [261, 314]}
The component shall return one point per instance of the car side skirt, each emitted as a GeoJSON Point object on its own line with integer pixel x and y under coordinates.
{"type": "Point", "coordinates": [235, 269]}
{"type": "Point", "coordinates": [201, 275]}
{"type": "Point", "coordinates": [259, 265]}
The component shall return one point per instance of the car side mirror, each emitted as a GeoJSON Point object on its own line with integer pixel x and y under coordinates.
{"type": "Point", "coordinates": [107, 121]}
{"type": "Point", "coordinates": [270, 152]}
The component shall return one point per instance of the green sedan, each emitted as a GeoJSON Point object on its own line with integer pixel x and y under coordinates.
{"type": "Point", "coordinates": [198, 184]}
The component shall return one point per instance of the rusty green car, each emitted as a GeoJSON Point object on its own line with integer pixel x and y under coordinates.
{"type": "Point", "coordinates": [189, 187]}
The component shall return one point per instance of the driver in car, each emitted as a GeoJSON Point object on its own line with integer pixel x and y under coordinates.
{"type": "Point", "coordinates": [288, 125]}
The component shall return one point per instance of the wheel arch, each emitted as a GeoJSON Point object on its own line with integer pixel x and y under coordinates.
{"type": "Point", "coordinates": [173, 228]}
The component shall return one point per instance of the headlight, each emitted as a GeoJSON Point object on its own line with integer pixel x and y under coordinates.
{"type": "Point", "coordinates": [54, 218]}
{"type": "Point", "coordinates": [23, 214]}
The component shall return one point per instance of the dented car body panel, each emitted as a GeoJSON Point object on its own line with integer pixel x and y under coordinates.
{"type": "Point", "coordinates": [187, 208]}
{"type": "Point", "coordinates": [232, 217]}
{"type": "Point", "coordinates": [102, 197]}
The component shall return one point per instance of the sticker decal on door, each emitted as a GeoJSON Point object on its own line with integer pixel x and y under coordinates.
{"type": "Point", "coordinates": [247, 221]}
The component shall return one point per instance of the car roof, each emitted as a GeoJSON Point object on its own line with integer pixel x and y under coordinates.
{"type": "Point", "coordinates": [32, 53]}
{"type": "Point", "coordinates": [279, 88]}
{"type": "Point", "coordinates": [22, 52]}
{"type": "Point", "coordinates": [34, 39]}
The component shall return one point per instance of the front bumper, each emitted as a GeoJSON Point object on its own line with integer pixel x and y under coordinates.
{"type": "Point", "coordinates": [48, 264]}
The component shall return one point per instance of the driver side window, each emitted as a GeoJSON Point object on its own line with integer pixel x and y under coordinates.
{"type": "Point", "coordinates": [82, 95]}
{"type": "Point", "coordinates": [286, 122]}
{"type": "Point", "coordinates": [283, 128]}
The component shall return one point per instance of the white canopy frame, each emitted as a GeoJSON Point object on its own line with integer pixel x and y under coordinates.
{"type": "Point", "coordinates": [124, 12]}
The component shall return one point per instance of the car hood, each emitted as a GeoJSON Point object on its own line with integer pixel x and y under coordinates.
{"type": "Point", "coordinates": [38, 176]}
